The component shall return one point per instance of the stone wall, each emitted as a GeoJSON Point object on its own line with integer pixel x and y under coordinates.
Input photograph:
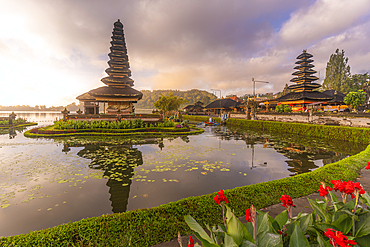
{"type": "Point", "coordinates": [352, 120]}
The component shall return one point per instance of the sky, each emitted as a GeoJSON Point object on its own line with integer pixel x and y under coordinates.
{"type": "Point", "coordinates": [51, 51]}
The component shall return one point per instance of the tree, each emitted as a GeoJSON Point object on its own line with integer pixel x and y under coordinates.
{"type": "Point", "coordinates": [355, 99]}
{"type": "Point", "coordinates": [356, 82]}
{"type": "Point", "coordinates": [337, 72]}
{"type": "Point", "coordinates": [168, 103]}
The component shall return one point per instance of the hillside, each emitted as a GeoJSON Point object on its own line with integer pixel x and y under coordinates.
{"type": "Point", "coordinates": [192, 96]}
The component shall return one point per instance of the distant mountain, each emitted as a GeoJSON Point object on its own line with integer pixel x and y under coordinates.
{"type": "Point", "coordinates": [70, 107]}
{"type": "Point", "coordinates": [147, 102]}
{"type": "Point", "coordinates": [191, 96]}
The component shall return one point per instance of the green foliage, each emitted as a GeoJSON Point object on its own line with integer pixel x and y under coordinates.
{"type": "Point", "coordinates": [75, 124]}
{"type": "Point", "coordinates": [356, 82]}
{"type": "Point", "coordinates": [337, 72]}
{"type": "Point", "coordinates": [351, 134]}
{"type": "Point", "coordinates": [190, 97]}
{"type": "Point", "coordinates": [168, 103]}
{"type": "Point", "coordinates": [355, 99]}
{"type": "Point", "coordinates": [283, 108]}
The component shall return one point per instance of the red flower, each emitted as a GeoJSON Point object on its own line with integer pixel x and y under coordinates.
{"type": "Point", "coordinates": [358, 187]}
{"type": "Point", "coordinates": [368, 166]}
{"type": "Point", "coordinates": [323, 191]}
{"type": "Point", "coordinates": [287, 201]}
{"type": "Point", "coordinates": [248, 215]}
{"type": "Point", "coordinates": [191, 242]}
{"type": "Point", "coordinates": [338, 185]}
{"type": "Point", "coordinates": [220, 197]}
{"type": "Point", "coordinates": [338, 239]}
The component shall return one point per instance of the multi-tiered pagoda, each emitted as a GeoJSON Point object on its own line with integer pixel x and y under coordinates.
{"type": "Point", "coordinates": [118, 94]}
{"type": "Point", "coordinates": [302, 91]}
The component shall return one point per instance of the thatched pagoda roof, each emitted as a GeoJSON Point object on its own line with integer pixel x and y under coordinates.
{"type": "Point", "coordinates": [305, 95]}
{"type": "Point", "coordinates": [110, 92]}
{"type": "Point", "coordinates": [223, 103]}
{"type": "Point", "coordinates": [338, 97]}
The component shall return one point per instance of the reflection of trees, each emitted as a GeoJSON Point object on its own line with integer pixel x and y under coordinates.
{"type": "Point", "coordinates": [300, 151]}
{"type": "Point", "coordinates": [302, 158]}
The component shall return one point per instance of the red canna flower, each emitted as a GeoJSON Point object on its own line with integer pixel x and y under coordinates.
{"type": "Point", "coordinates": [338, 239]}
{"type": "Point", "coordinates": [191, 242]}
{"type": "Point", "coordinates": [287, 201]}
{"type": "Point", "coordinates": [338, 185]}
{"type": "Point", "coordinates": [324, 191]}
{"type": "Point", "coordinates": [220, 197]}
{"type": "Point", "coordinates": [368, 166]}
{"type": "Point", "coordinates": [358, 188]}
{"type": "Point", "coordinates": [248, 215]}
{"type": "Point", "coordinates": [349, 188]}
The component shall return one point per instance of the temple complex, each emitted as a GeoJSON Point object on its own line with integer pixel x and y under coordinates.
{"type": "Point", "coordinates": [118, 93]}
{"type": "Point", "coordinates": [302, 92]}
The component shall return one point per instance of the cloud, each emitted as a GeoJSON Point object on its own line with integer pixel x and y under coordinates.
{"type": "Point", "coordinates": [62, 46]}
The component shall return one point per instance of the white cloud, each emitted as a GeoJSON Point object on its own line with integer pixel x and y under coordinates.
{"type": "Point", "coordinates": [62, 46]}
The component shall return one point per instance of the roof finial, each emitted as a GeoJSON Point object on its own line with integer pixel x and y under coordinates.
{"type": "Point", "coordinates": [304, 51]}
{"type": "Point", "coordinates": [118, 20]}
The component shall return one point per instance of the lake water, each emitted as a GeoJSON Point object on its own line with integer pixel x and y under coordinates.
{"type": "Point", "coordinates": [47, 182]}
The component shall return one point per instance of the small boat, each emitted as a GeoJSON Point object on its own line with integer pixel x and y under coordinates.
{"type": "Point", "coordinates": [211, 123]}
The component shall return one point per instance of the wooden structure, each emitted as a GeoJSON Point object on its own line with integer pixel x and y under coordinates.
{"type": "Point", "coordinates": [302, 92]}
{"type": "Point", "coordinates": [118, 94]}
{"type": "Point", "coordinates": [220, 106]}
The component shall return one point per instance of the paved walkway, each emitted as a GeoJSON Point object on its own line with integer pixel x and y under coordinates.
{"type": "Point", "coordinates": [301, 203]}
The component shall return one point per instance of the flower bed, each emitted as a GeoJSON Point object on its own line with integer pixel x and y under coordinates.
{"type": "Point", "coordinates": [50, 131]}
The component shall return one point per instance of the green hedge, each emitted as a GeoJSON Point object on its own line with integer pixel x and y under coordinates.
{"type": "Point", "coordinates": [351, 134]}
{"type": "Point", "coordinates": [18, 126]}
{"type": "Point", "coordinates": [50, 131]}
{"type": "Point", "coordinates": [147, 227]}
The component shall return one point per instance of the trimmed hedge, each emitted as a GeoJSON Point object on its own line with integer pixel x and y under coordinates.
{"type": "Point", "coordinates": [50, 131]}
{"type": "Point", "coordinates": [345, 133]}
{"type": "Point", "coordinates": [18, 126]}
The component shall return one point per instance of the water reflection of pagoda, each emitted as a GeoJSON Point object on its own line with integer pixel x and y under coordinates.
{"type": "Point", "coordinates": [118, 94]}
{"type": "Point", "coordinates": [302, 92]}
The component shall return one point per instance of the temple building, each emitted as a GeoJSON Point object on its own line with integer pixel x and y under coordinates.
{"type": "Point", "coordinates": [302, 92]}
{"type": "Point", "coordinates": [118, 93]}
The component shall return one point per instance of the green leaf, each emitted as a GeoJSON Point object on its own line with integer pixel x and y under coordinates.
{"type": "Point", "coordinates": [263, 223]}
{"type": "Point", "coordinates": [362, 226]}
{"type": "Point", "coordinates": [333, 196]}
{"type": "Point", "coordinates": [235, 229]}
{"type": "Point", "coordinates": [229, 241]}
{"type": "Point", "coordinates": [247, 234]}
{"type": "Point", "coordinates": [298, 238]}
{"type": "Point", "coordinates": [366, 196]}
{"type": "Point", "coordinates": [193, 224]}
{"type": "Point", "coordinates": [247, 243]}
{"type": "Point", "coordinates": [344, 223]}
{"type": "Point", "coordinates": [319, 210]}
{"type": "Point", "coordinates": [267, 239]}
{"type": "Point", "coordinates": [321, 241]}
{"type": "Point", "coordinates": [363, 241]}
{"type": "Point", "coordinates": [305, 222]}
{"type": "Point", "coordinates": [282, 218]}
{"type": "Point", "coordinates": [204, 242]}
